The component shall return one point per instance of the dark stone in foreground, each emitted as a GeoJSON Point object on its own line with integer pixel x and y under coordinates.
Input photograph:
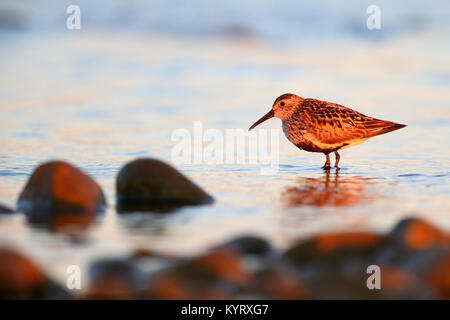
{"type": "Point", "coordinates": [334, 246]}
{"type": "Point", "coordinates": [411, 257]}
{"type": "Point", "coordinates": [417, 234]}
{"type": "Point", "coordinates": [115, 279]}
{"type": "Point", "coordinates": [413, 261]}
{"type": "Point", "coordinates": [22, 279]}
{"type": "Point", "coordinates": [250, 245]}
{"type": "Point", "coordinates": [439, 277]}
{"type": "Point", "coordinates": [218, 274]}
{"type": "Point", "coordinates": [152, 185]}
{"type": "Point", "coordinates": [279, 282]}
{"type": "Point", "coordinates": [58, 187]}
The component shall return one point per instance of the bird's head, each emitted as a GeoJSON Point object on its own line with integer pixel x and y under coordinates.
{"type": "Point", "coordinates": [283, 108]}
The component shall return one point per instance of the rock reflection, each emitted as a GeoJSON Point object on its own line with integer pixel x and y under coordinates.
{"type": "Point", "coordinates": [131, 207]}
{"type": "Point", "coordinates": [72, 224]}
{"type": "Point", "coordinates": [329, 190]}
{"type": "Point", "coordinates": [145, 223]}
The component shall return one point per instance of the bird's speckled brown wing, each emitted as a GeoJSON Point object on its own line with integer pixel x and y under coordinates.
{"type": "Point", "coordinates": [329, 125]}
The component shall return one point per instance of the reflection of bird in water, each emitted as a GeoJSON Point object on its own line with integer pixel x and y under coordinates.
{"type": "Point", "coordinates": [321, 126]}
{"type": "Point", "coordinates": [325, 191]}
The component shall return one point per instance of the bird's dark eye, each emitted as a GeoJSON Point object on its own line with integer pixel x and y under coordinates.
{"type": "Point", "coordinates": [282, 104]}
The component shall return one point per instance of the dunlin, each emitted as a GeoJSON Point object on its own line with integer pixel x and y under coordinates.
{"type": "Point", "coordinates": [320, 126]}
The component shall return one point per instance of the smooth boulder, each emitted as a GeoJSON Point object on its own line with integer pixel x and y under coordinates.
{"type": "Point", "coordinates": [57, 187]}
{"type": "Point", "coordinates": [153, 183]}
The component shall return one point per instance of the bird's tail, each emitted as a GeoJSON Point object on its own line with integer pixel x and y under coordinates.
{"type": "Point", "coordinates": [376, 127]}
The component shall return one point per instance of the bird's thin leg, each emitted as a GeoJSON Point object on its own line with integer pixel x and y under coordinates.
{"type": "Point", "coordinates": [338, 157]}
{"type": "Point", "coordinates": [327, 163]}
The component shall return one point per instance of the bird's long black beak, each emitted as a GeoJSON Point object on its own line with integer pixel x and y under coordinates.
{"type": "Point", "coordinates": [267, 116]}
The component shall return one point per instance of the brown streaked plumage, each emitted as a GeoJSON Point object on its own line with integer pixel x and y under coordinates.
{"type": "Point", "coordinates": [320, 126]}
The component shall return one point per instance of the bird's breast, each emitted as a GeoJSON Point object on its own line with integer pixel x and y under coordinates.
{"type": "Point", "coordinates": [293, 131]}
{"type": "Point", "coordinates": [296, 133]}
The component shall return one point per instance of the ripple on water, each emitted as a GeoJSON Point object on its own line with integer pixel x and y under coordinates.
{"type": "Point", "coordinates": [12, 173]}
{"type": "Point", "coordinates": [411, 175]}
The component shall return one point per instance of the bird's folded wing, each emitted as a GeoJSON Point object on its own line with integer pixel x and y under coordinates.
{"type": "Point", "coordinates": [334, 125]}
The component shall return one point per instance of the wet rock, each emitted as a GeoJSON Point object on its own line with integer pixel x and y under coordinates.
{"type": "Point", "coordinates": [22, 279]}
{"type": "Point", "coordinates": [337, 285]}
{"type": "Point", "coordinates": [19, 277]}
{"type": "Point", "coordinates": [439, 277]}
{"type": "Point", "coordinates": [255, 253]}
{"type": "Point", "coordinates": [412, 245]}
{"type": "Point", "coordinates": [279, 282]}
{"type": "Point", "coordinates": [58, 187]}
{"type": "Point", "coordinates": [328, 243]}
{"type": "Point", "coordinates": [334, 265]}
{"type": "Point", "coordinates": [5, 210]}
{"type": "Point", "coordinates": [344, 284]}
{"type": "Point", "coordinates": [399, 283]}
{"type": "Point", "coordinates": [217, 274]}
{"type": "Point", "coordinates": [110, 288]}
{"type": "Point", "coordinates": [140, 253]}
{"type": "Point", "coordinates": [152, 185]}
{"type": "Point", "coordinates": [249, 245]}
{"type": "Point", "coordinates": [334, 246]}
{"type": "Point", "coordinates": [221, 265]}
{"type": "Point", "coordinates": [145, 255]}
{"type": "Point", "coordinates": [115, 279]}
{"type": "Point", "coordinates": [417, 234]}
{"type": "Point", "coordinates": [170, 286]}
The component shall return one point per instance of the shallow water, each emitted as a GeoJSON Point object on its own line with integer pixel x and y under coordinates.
{"type": "Point", "coordinates": [105, 95]}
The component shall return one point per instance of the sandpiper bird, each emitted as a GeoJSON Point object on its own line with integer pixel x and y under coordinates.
{"type": "Point", "coordinates": [321, 126]}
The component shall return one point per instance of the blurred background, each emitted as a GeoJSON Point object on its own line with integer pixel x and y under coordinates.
{"type": "Point", "coordinates": [137, 70]}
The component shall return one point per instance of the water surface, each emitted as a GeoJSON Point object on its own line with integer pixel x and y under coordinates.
{"type": "Point", "coordinates": [116, 90]}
